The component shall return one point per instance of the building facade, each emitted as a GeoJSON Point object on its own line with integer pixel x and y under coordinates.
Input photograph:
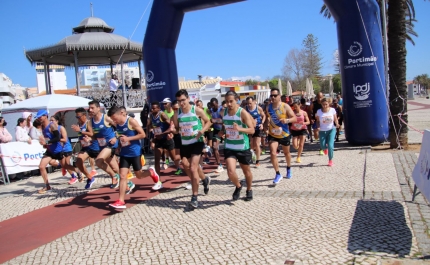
{"type": "Point", "coordinates": [100, 77]}
{"type": "Point", "coordinates": [7, 91]}
{"type": "Point", "coordinates": [56, 74]}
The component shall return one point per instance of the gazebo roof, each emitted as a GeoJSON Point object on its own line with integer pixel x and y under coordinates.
{"type": "Point", "coordinates": [95, 43]}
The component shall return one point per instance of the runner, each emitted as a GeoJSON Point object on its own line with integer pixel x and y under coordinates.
{"type": "Point", "coordinates": [176, 138]}
{"type": "Point", "coordinates": [299, 130]}
{"type": "Point", "coordinates": [216, 119]}
{"type": "Point", "coordinates": [280, 115]}
{"type": "Point", "coordinates": [339, 114]}
{"type": "Point", "coordinates": [89, 148]}
{"type": "Point", "coordinates": [315, 106]}
{"type": "Point", "coordinates": [259, 117]}
{"type": "Point", "coordinates": [265, 129]}
{"type": "Point", "coordinates": [104, 134]}
{"type": "Point", "coordinates": [209, 135]}
{"type": "Point", "coordinates": [307, 108]}
{"type": "Point", "coordinates": [168, 110]}
{"type": "Point", "coordinates": [326, 118]}
{"type": "Point", "coordinates": [188, 123]}
{"type": "Point", "coordinates": [163, 139]}
{"type": "Point", "coordinates": [129, 135]}
{"type": "Point", "coordinates": [238, 125]}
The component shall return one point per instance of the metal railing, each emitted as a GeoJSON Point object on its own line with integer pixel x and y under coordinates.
{"type": "Point", "coordinates": [136, 98]}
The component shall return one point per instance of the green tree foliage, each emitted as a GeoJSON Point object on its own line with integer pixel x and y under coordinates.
{"type": "Point", "coordinates": [313, 60]}
{"type": "Point", "coordinates": [337, 84]}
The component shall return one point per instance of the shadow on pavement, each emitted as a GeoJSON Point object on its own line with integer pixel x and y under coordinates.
{"type": "Point", "coordinates": [379, 226]}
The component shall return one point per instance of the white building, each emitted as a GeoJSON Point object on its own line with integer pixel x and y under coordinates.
{"type": "Point", "coordinates": [56, 74]}
{"type": "Point", "coordinates": [7, 91]}
{"type": "Point", "coordinates": [100, 77]}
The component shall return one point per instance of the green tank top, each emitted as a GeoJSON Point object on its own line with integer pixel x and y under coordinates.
{"type": "Point", "coordinates": [235, 140]}
{"type": "Point", "coordinates": [189, 126]}
{"type": "Point", "coordinates": [205, 109]}
{"type": "Point", "coordinates": [169, 114]}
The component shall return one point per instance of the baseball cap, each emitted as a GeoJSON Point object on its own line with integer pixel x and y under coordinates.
{"type": "Point", "coordinates": [167, 100]}
{"type": "Point", "coordinates": [131, 115]}
{"type": "Point", "coordinates": [42, 112]}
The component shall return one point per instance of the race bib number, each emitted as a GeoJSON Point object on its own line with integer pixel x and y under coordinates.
{"type": "Point", "coordinates": [298, 126]}
{"type": "Point", "coordinates": [124, 143]}
{"type": "Point", "coordinates": [277, 131]}
{"type": "Point", "coordinates": [187, 130]}
{"type": "Point", "coordinates": [102, 141]}
{"type": "Point", "coordinates": [157, 130]}
{"type": "Point", "coordinates": [327, 119]}
{"type": "Point", "coordinates": [85, 143]}
{"type": "Point", "coordinates": [232, 134]}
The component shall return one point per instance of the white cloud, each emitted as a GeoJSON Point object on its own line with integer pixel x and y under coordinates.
{"type": "Point", "coordinates": [244, 78]}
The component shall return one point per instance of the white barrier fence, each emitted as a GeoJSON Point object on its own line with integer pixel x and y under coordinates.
{"type": "Point", "coordinates": [17, 157]}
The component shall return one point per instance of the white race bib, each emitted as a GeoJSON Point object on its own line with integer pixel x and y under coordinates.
{"type": "Point", "coordinates": [157, 130]}
{"type": "Point", "coordinates": [232, 134]}
{"type": "Point", "coordinates": [124, 143]}
{"type": "Point", "coordinates": [187, 130]}
{"type": "Point", "coordinates": [277, 131]}
{"type": "Point", "coordinates": [298, 126]}
{"type": "Point", "coordinates": [102, 141]}
{"type": "Point", "coordinates": [85, 143]}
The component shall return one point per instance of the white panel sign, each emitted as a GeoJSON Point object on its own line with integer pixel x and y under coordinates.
{"type": "Point", "coordinates": [421, 173]}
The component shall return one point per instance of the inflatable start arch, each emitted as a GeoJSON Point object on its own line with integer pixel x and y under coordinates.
{"type": "Point", "coordinates": [360, 51]}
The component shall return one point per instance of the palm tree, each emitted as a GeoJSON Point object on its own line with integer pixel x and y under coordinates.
{"type": "Point", "coordinates": [401, 19]}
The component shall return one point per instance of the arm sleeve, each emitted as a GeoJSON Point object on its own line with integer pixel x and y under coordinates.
{"type": "Point", "coordinates": [56, 138]}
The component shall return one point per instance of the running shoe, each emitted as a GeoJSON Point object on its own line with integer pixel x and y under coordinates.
{"type": "Point", "coordinates": [278, 178]}
{"type": "Point", "coordinates": [130, 175]}
{"type": "Point", "coordinates": [248, 195]}
{"type": "Point", "coordinates": [90, 183]}
{"type": "Point", "coordinates": [254, 157]}
{"type": "Point", "coordinates": [63, 171]}
{"type": "Point", "coordinates": [155, 177]}
{"type": "Point", "coordinates": [157, 186]}
{"type": "Point", "coordinates": [206, 183]}
{"type": "Point", "coordinates": [72, 181]}
{"type": "Point", "coordinates": [81, 177]}
{"type": "Point", "coordinates": [298, 160]}
{"type": "Point", "coordinates": [130, 186]}
{"type": "Point", "coordinates": [167, 162]}
{"type": "Point", "coordinates": [116, 185]}
{"type": "Point", "coordinates": [178, 172]}
{"type": "Point", "coordinates": [206, 161]}
{"type": "Point", "coordinates": [330, 163]}
{"type": "Point", "coordinates": [236, 193]}
{"type": "Point", "coordinates": [209, 151]}
{"type": "Point", "coordinates": [325, 151]}
{"type": "Point", "coordinates": [263, 152]}
{"type": "Point", "coordinates": [44, 190]}
{"type": "Point", "coordinates": [219, 169]}
{"type": "Point", "coordinates": [289, 174]}
{"type": "Point", "coordinates": [194, 203]}
{"type": "Point", "coordinates": [321, 152]}
{"type": "Point", "coordinates": [257, 164]}
{"type": "Point", "coordinates": [118, 205]}
{"type": "Point", "coordinates": [93, 172]}
{"type": "Point", "coordinates": [188, 186]}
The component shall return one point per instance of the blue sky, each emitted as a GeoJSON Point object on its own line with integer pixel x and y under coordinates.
{"type": "Point", "coordinates": [247, 39]}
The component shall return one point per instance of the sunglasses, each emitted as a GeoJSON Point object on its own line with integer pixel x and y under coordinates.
{"type": "Point", "coordinates": [273, 96]}
{"type": "Point", "coordinates": [78, 117]}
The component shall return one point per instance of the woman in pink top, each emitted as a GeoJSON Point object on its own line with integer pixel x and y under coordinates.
{"type": "Point", "coordinates": [5, 136]}
{"type": "Point", "coordinates": [299, 129]}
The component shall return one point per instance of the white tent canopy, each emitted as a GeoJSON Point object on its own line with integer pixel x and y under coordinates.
{"type": "Point", "coordinates": [53, 103]}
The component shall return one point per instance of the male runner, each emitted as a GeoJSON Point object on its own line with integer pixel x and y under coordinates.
{"type": "Point", "coordinates": [129, 133]}
{"type": "Point", "coordinates": [238, 125]}
{"type": "Point", "coordinates": [216, 119]}
{"type": "Point", "coordinates": [315, 106]}
{"type": "Point", "coordinates": [188, 123]}
{"type": "Point", "coordinates": [259, 117]}
{"type": "Point", "coordinates": [265, 128]}
{"type": "Point", "coordinates": [104, 134]}
{"type": "Point", "coordinates": [280, 115]}
{"type": "Point", "coordinates": [167, 103]}
{"type": "Point", "coordinates": [176, 137]}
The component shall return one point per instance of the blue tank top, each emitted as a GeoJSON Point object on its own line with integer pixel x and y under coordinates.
{"type": "Point", "coordinates": [67, 146]}
{"type": "Point", "coordinates": [216, 115]}
{"type": "Point", "coordinates": [132, 148]}
{"type": "Point", "coordinates": [158, 125]}
{"type": "Point", "coordinates": [255, 115]}
{"type": "Point", "coordinates": [54, 148]}
{"type": "Point", "coordinates": [93, 145]}
{"type": "Point", "coordinates": [103, 132]}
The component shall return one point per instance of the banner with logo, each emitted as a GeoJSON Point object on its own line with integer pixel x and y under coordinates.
{"type": "Point", "coordinates": [362, 70]}
{"type": "Point", "coordinates": [421, 173]}
{"type": "Point", "coordinates": [21, 157]}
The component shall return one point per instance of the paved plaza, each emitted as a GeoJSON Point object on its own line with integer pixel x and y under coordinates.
{"type": "Point", "coordinates": [357, 212]}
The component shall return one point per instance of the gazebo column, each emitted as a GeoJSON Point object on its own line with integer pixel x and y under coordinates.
{"type": "Point", "coordinates": [124, 93]}
{"type": "Point", "coordinates": [45, 70]}
{"type": "Point", "coordinates": [49, 79]}
{"type": "Point", "coordinates": [140, 74]}
{"type": "Point", "coordinates": [78, 86]}
{"type": "Point", "coordinates": [111, 69]}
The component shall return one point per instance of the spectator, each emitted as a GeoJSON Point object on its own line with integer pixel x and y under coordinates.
{"type": "Point", "coordinates": [36, 130]}
{"type": "Point", "coordinates": [5, 136]}
{"type": "Point", "coordinates": [27, 116]}
{"type": "Point", "coordinates": [21, 134]}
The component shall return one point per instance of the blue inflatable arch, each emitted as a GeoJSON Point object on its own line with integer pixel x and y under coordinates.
{"type": "Point", "coordinates": [360, 52]}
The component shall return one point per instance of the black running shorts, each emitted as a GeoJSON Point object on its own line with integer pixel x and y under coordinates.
{"type": "Point", "coordinates": [192, 149]}
{"type": "Point", "coordinates": [244, 157]}
{"type": "Point", "coordinates": [56, 156]}
{"type": "Point", "coordinates": [286, 141]}
{"type": "Point", "coordinates": [298, 133]}
{"type": "Point", "coordinates": [164, 144]}
{"type": "Point", "coordinates": [126, 162]}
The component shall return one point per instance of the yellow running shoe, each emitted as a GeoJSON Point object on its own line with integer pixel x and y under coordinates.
{"type": "Point", "coordinates": [298, 160]}
{"type": "Point", "coordinates": [142, 160]}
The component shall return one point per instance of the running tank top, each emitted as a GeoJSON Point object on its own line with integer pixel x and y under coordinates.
{"type": "Point", "coordinates": [276, 128]}
{"type": "Point", "coordinates": [255, 115]}
{"type": "Point", "coordinates": [235, 140]}
{"type": "Point", "coordinates": [67, 146]}
{"type": "Point", "coordinates": [158, 125]}
{"type": "Point", "coordinates": [103, 132]}
{"type": "Point", "coordinates": [216, 115]}
{"type": "Point", "coordinates": [299, 124]}
{"type": "Point", "coordinates": [189, 126]}
{"type": "Point", "coordinates": [92, 145]}
{"type": "Point", "coordinates": [209, 116]}
{"type": "Point", "coordinates": [316, 107]}
{"type": "Point", "coordinates": [132, 148]}
{"type": "Point", "coordinates": [169, 114]}
{"type": "Point", "coordinates": [54, 148]}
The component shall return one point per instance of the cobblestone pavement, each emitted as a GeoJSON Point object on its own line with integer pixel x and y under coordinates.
{"type": "Point", "coordinates": [352, 213]}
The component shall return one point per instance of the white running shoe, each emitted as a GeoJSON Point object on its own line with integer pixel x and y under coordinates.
{"type": "Point", "coordinates": [157, 186]}
{"type": "Point", "coordinates": [188, 186]}
{"type": "Point", "coordinates": [219, 169]}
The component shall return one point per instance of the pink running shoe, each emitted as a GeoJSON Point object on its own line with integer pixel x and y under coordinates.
{"type": "Point", "coordinates": [72, 181]}
{"type": "Point", "coordinates": [155, 177]}
{"type": "Point", "coordinates": [94, 173]}
{"type": "Point", "coordinates": [330, 163]}
{"type": "Point", "coordinates": [325, 151]}
{"type": "Point", "coordinates": [118, 205]}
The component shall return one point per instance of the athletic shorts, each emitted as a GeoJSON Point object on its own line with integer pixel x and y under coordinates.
{"type": "Point", "coordinates": [67, 154]}
{"type": "Point", "coordinates": [216, 136]}
{"type": "Point", "coordinates": [315, 125]}
{"type": "Point", "coordinates": [209, 135]}
{"type": "Point", "coordinates": [340, 121]}
{"type": "Point", "coordinates": [286, 141]}
{"type": "Point", "coordinates": [257, 133]}
{"type": "Point", "coordinates": [297, 133]}
{"type": "Point", "coordinates": [263, 134]}
{"type": "Point", "coordinates": [244, 157]}
{"type": "Point", "coordinates": [112, 151]}
{"type": "Point", "coordinates": [126, 162]}
{"type": "Point", "coordinates": [192, 149]}
{"type": "Point", "coordinates": [91, 153]}
{"type": "Point", "coordinates": [177, 140]}
{"type": "Point", "coordinates": [56, 156]}
{"type": "Point", "coordinates": [164, 144]}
